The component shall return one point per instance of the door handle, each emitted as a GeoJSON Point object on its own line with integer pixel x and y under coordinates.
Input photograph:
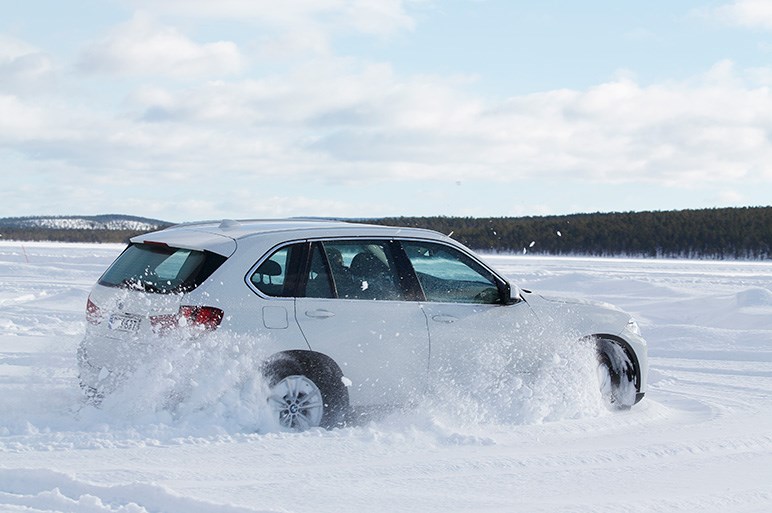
{"type": "Point", "coordinates": [319, 314]}
{"type": "Point", "coordinates": [445, 318]}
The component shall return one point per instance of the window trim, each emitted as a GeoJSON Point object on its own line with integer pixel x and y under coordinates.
{"type": "Point", "coordinates": [408, 280]}
{"type": "Point", "coordinates": [305, 270]}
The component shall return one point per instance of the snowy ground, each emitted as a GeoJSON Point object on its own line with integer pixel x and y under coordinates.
{"type": "Point", "coordinates": [700, 441]}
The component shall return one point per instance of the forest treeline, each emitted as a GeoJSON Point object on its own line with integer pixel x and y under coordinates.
{"type": "Point", "coordinates": [720, 233]}
{"type": "Point", "coordinates": [731, 233]}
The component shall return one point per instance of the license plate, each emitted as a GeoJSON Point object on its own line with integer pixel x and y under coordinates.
{"type": "Point", "coordinates": [124, 322]}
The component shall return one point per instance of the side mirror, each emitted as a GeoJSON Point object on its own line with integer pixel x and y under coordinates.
{"type": "Point", "coordinates": [510, 294]}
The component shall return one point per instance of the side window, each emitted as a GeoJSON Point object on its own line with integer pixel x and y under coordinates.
{"type": "Point", "coordinates": [363, 270]}
{"type": "Point", "coordinates": [273, 277]}
{"type": "Point", "coordinates": [449, 276]}
{"type": "Point", "coordinates": [318, 282]}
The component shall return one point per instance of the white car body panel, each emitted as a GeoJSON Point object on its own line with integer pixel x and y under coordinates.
{"type": "Point", "coordinates": [461, 334]}
{"type": "Point", "coordinates": [387, 350]}
{"type": "Point", "coordinates": [582, 318]}
{"type": "Point", "coordinates": [382, 347]}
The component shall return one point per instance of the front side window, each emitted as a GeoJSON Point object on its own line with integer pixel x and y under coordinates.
{"type": "Point", "coordinates": [447, 275]}
{"type": "Point", "coordinates": [161, 269]}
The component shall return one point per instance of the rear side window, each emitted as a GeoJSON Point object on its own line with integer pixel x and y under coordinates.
{"type": "Point", "coordinates": [161, 269]}
{"type": "Point", "coordinates": [276, 275]}
{"type": "Point", "coordinates": [363, 269]}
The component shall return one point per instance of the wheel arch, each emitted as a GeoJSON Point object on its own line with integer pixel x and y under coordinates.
{"type": "Point", "coordinates": [629, 352]}
{"type": "Point", "coordinates": [310, 363]}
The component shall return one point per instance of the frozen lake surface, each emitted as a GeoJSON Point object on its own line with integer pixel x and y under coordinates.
{"type": "Point", "coordinates": [701, 440]}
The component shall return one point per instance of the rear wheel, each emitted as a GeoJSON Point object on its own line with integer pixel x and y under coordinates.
{"type": "Point", "coordinates": [305, 394]}
{"type": "Point", "coordinates": [297, 403]}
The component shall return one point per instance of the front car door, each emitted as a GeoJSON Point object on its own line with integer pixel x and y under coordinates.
{"type": "Point", "coordinates": [356, 305]}
{"type": "Point", "coordinates": [474, 328]}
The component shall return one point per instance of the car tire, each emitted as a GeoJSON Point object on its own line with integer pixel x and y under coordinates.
{"type": "Point", "coordinates": [305, 394]}
{"type": "Point", "coordinates": [616, 375]}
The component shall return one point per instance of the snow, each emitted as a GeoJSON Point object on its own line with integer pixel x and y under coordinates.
{"type": "Point", "coordinates": [190, 435]}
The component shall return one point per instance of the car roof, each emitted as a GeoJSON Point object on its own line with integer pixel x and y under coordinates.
{"type": "Point", "coordinates": [222, 236]}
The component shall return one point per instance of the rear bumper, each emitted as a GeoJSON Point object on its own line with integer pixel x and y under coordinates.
{"type": "Point", "coordinates": [97, 377]}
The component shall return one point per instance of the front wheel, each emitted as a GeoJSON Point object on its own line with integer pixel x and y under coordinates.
{"type": "Point", "coordinates": [616, 375]}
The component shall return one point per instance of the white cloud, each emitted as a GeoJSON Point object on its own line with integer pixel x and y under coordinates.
{"type": "Point", "coordinates": [381, 17]}
{"type": "Point", "coordinates": [12, 48]}
{"type": "Point", "coordinates": [142, 46]}
{"type": "Point", "coordinates": [748, 13]}
{"type": "Point", "coordinates": [299, 27]}
{"type": "Point", "coordinates": [19, 120]}
{"type": "Point", "coordinates": [344, 122]}
{"type": "Point", "coordinates": [23, 68]}
{"type": "Point", "coordinates": [378, 17]}
{"type": "Point", "coordinates": [238, 9]}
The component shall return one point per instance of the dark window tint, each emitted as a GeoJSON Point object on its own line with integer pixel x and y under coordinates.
{"type": "Point", "coordinates": [363, 269]}
{"type": "Point", "coordinates": [318, 284]}
{"type": "Point", "coordinates": [275, 275]}
{"type": "Point", "coordinates": [161, 269]}
{"type": "Point", "coordinates": [449, 276]}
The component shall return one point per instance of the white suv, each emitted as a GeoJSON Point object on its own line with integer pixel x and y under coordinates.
{"type": "Point", "coordinates": [350, 315]}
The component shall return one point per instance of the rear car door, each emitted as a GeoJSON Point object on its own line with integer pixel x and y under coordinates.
{"type": "Point", "coordinates": [356, 307]}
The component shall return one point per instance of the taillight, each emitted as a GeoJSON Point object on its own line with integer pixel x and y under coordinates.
{"type": "Point", "coordinates": [163, 324]}
{"type": "Point", "coordinates": [93, 312]}
{"type": "Point", "coordinates": [203, 317]}
{"type": "Point", "coordinates": [208, 317]}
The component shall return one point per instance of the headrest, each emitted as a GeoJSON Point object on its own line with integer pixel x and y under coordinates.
{"type": "Point", "coordinates": [269, 268]}
{"type": "Point", "coordinates": [367, 264]}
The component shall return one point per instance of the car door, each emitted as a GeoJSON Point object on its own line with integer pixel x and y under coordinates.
{"type": "Point", "coordinates": [356, 307]}
{"type": "Point", "coordinates": [473, 328]}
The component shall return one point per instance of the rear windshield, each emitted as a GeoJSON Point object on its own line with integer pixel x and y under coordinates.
{"type": "Point", "coordinates": [161, 269]}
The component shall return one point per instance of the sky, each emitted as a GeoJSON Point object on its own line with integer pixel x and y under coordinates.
{"type": "Point", "coordinates": [185, 110]}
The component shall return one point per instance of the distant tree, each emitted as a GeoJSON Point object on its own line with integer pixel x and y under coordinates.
{"type": "Point", "coordinates": [738, 233]}
{"type": "Point", "coordinates": [744, 233]}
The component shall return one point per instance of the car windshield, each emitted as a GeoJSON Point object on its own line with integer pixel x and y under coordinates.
{"type": "Point", "coordinates": [161, 269]}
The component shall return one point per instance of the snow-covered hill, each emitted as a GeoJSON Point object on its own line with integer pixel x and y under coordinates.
{"type": "Point", "coordinates": [101, 222]}
{"type": "Point", "coordinates": [701, 440]}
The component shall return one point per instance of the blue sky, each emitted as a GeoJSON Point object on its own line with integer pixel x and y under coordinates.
{"type": "Point", "coordinates": [192, 109]}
